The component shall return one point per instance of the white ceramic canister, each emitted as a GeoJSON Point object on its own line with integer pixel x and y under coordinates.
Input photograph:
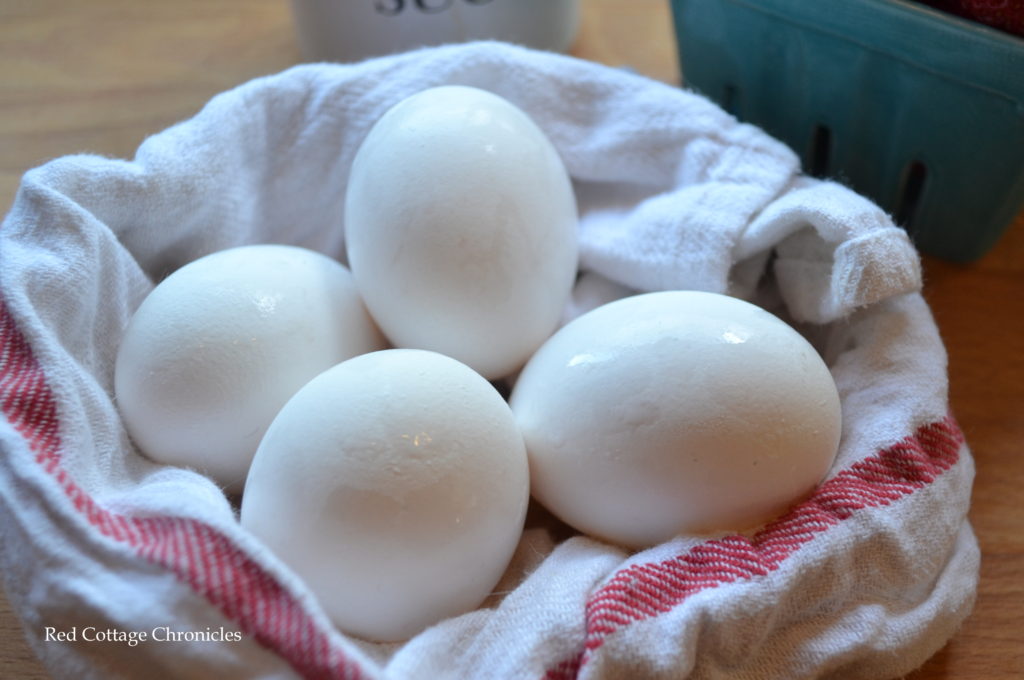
{"type": "Point", "coordinates": [350, 30]}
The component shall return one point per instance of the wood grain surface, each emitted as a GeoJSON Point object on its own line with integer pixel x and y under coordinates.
{"type": "Point", "coordinates": [100, 76]}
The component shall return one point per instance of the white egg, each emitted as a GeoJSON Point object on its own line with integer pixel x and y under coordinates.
{"type": "Point", "coordinates": [218, 347]}
{"type": "Point", "coordinates": [460, 224]}
{"type": "Point", "coordinates": [395, 484]}
{"type": "Point", "coordinates": [675, 412]}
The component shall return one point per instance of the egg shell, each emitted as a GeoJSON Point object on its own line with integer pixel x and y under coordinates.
{"type": "Point", "coordinates": [219, 346]}
{"type": "Point", "coordinates": [460, 224]}
{"type": "Point", "coordinates": [675, 412]}
{"type": "Point", "coordinates": [396, 485]}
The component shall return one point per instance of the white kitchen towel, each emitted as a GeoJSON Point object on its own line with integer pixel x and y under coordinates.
{"type": "Point", "coordinates": [121, 568]}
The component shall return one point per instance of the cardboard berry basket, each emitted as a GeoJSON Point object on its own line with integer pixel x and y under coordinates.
{"type": "Point", "coordinates": [919, 109]}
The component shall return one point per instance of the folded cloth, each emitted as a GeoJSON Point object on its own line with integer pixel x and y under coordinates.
{"type": "Point", "coordinates": [864, 579]}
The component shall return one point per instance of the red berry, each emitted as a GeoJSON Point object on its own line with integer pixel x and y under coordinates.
{"type": "Point", "coordinates": [1007, 15]}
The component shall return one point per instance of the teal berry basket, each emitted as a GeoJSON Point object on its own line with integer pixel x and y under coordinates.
{"type": "Point", "coordinates": [919, 110]}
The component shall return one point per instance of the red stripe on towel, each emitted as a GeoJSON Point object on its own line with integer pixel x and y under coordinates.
{"type": "Point", "coordinates": [642, 591]}
{"type": "Point", "coordinates": [227, 577]}
{"type": "Point", "coordinates": [200, 556]}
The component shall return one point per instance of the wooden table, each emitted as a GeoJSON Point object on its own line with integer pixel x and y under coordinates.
{"type": "Point", "coordinates": [100, 76]}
